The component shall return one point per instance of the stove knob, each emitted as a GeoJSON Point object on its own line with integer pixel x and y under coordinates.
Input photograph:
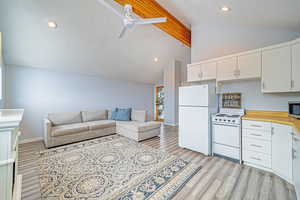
{"type": "Point", "coordinates": [233, 121]}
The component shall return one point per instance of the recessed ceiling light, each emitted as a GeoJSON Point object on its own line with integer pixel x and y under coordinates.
{"type": "Point", "coordinates": [225, 9]}
{"type": "Point", "coordinates": [156, 59]}
{"type": "Point", "coordinates": [52, 24]}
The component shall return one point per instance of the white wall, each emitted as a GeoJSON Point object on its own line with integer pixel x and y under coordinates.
{"type": "Point", "coordinates": [2, 78]}
{"type": "Point", "coordinates": [215, 41]}
{"type": "Point", "coordinates": [211, 42]}
{"type": "Point", "coordinates": [40, 91]}
{"type": "Point", "coordinates": [254, 99]}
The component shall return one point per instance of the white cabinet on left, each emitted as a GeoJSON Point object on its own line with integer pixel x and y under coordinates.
{"type": "Point", "coordinates": [282, 142]}
{"type": "Point", "coordinates": [9, 134]}
{"type": "Point", "coordinates": [202, 71]}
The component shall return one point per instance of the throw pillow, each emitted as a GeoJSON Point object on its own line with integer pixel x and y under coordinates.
{"type": "Point", "coordinates": [123, 114]}
{"type": "Point", "coordinates": [114, 114]}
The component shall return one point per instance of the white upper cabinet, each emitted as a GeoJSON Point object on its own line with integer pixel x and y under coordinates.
{"type": "Point", "coordinates": [209, 70]}
{"type": "Point", "coordinates": [194, 73]}
{"type": "Point", "coordinates": [295, 82]}
{"type": "Point", "coordinates": [242, 66]}
{"type": "Point", "coordinates": [282, 159]}
{"type": "Point", "coordinates": [227, 69]}
{"type": "Point", "coordinates": [202, 71]}
{"type": "Point", "coordinates": [278, 66]}
{"type": "Point", "coordinates": [276, 69]}
{"type": "Point", "coordinates": [249, 66]}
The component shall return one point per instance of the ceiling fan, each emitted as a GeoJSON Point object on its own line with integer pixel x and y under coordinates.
{"type": "Point", "coordinates": [129, 20]}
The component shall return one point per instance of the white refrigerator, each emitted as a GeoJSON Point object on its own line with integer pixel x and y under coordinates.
{"type": "Point", "coordinates": [196, 104]}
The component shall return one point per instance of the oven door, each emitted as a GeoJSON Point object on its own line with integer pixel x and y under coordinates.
{"type": "Point", "coordinates": [227, 135]}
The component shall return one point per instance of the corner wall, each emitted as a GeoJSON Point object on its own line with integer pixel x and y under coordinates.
{"type": "Point", "coordinates": [41, 91]}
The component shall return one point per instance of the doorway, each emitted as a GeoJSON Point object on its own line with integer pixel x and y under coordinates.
{"type": "Point", "coordinates": [159, 103]}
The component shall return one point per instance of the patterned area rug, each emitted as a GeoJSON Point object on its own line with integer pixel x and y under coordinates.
{"type": "Point", "coordinates": [112, 167]}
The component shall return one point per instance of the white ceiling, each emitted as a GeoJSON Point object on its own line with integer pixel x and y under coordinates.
{"type": "Point", "coordinates": [86, 40]}
{"type": "Point", "coordinates": [279, 14]}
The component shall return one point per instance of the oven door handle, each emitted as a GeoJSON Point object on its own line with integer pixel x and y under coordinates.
{"type": "Point", "coordinates": [214, 124]}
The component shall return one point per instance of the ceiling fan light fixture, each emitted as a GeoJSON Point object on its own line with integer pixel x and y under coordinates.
{"type": "Point", "coordinates": [225, 9]}
{"type": "Point", "coordinates": [52, 24]}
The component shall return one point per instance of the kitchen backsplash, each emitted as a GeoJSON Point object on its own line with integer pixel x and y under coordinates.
{"type": "Point", "coordinates": [254, 99]}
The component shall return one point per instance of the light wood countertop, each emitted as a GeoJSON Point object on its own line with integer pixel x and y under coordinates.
{"type": "Point", "coordinates": [273, 116]}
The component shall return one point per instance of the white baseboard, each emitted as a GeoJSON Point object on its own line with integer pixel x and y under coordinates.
{"type": "Point", "coordinates": [170, 124]}
{"type": "Point", "coordinates": [35, 139]}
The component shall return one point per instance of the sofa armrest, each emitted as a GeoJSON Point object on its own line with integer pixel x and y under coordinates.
{"type": "Point", "coordinates": [47, 130]}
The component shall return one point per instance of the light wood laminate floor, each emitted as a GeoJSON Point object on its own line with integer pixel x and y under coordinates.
{"type": "Point", "coordinates": [218, 179]}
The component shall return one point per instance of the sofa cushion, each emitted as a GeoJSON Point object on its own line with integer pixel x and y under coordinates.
{"type": "Point", "coordinates": [138, 115]}
{"type": "Point", "coordinates": [113, 114]}
{"type": "Point", "coordinates": [69, 129]}
{"type": "Point", "coordinates": [101, 124]}
{"type": "Point", "coordinates": [88, 116]}
{"type": "Point", "coordinates": [123, 114]}
{"type": "Point", "coordinates": [138, 126]}
{"type": "Point", "coordinates": [64, 118]}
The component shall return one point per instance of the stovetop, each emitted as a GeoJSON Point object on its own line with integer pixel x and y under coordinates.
{"type": "Point", "coordinates": [228, 117]}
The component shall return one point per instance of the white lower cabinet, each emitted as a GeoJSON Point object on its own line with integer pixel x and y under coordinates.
{"type": "Point", "coordinates": [282, 145]}
{"type": "Point", "coordinates": [268, 146]}
{"type": "Point", "coordinates": [256, 144]}
{"type": "Point", "coordinates": [296, 162]}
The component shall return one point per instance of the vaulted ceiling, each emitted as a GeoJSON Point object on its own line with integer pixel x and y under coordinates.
{"type": "Point", "coordinates": [279, 14]}
{"type": "Point", "coordinates": [86, 40]}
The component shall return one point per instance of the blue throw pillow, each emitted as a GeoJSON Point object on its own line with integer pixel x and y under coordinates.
{"type": "Point", "coordinates": [114, 114]}
{"type": "Point", "coordinates": [123, 114]}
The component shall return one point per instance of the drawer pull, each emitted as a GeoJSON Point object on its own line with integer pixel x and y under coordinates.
{"type": "Point", "coordinates": [254, 158]}
{"type": "Point", "coordinates": [258, 135]}
{"type": "Point", "coordinates": [254, 125]}
{"type": "Point", "coordinates": [255, 145]}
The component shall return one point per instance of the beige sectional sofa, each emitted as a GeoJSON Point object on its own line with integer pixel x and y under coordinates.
{"type": "Point", "coordinates": [64, 128]}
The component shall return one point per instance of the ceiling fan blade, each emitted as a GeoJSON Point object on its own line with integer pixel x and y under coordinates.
{"type": "Point", "coordinates": [122, 33]}
{"type": "Point", "coordinates": [150, 20]}
{"type": "Point", "coordinates": [107, 5]}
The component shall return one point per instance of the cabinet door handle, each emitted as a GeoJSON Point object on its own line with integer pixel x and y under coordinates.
{"type": "Point", "coordinates": [254, 125]}
{"type": "Point", "coordinates": [292, 84]}
{"type": "Point", "coordinates": [254, 158]}
{"type": "Point", "coordinates": [255, 145]}
{"type": "Point", "coordinates": [200, 74]}
{"type": "Point", "coordinates": [294, 154]}
{"type": "Point", "coordinates": [259, 135]}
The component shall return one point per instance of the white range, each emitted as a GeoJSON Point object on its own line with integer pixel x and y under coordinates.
{"type": "Point", "coordinates": [227, 133]}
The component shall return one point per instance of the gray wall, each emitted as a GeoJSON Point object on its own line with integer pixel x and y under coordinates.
{"type": "Point", "coordinates": [211, 42]}
{"type": "Point", "coordinates": [41, 91]}
{"type": "Point", "coordinates": [254, 99]}
{"type": "Point", "coordinates": [172, 79]}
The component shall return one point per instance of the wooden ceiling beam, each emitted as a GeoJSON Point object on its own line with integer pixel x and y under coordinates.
{"type": "Point", "coordinates": [152, 9]}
